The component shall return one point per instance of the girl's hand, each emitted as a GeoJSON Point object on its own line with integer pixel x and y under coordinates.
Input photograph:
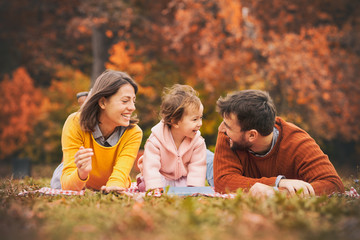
{"type": "Point", "coordinates": [106, 189]}
{"type": "Point", "coordinates": [83, 161]}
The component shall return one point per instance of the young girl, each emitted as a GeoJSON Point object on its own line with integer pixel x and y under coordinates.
{"type": "Point", "coordinates": [101, 141]}
{"type": "Point", "coordinates": [175, 152]}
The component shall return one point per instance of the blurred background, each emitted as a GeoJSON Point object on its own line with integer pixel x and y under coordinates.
{"type": "Point", "coordinates": [305, 53]}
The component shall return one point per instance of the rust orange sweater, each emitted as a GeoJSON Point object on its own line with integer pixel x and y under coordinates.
{"type": "Point", "coordinates": [295, 155]}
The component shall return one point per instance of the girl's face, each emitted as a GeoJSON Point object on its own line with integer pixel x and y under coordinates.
{"type": "Point", "coordinates": [117, 109]}
{"type": "Point", "coordinates": [190, 122]}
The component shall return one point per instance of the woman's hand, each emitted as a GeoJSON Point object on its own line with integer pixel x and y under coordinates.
{"type": "Point", "coordinates": [83, 161]}
{"type": "Point", "coordinates": [106, 189]}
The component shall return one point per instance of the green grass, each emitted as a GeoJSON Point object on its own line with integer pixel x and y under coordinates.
{"type": "Point", "coordinates": [99, 216]}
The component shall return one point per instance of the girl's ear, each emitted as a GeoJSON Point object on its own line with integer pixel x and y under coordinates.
{"type": "Point", "coordinates": [102, 102]}
{"type": "Point", "coordinates": [174, 124]}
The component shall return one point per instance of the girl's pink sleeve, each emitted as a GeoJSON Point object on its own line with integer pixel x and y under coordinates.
{"type": "Point", "coordinates": [197, 166]}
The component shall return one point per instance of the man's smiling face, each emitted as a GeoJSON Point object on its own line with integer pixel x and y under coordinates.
{"type": "Point", "coordinates": [232, 129]}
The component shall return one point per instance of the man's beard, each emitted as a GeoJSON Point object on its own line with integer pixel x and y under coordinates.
{"type": "Point", "coordinates": [242, 146]}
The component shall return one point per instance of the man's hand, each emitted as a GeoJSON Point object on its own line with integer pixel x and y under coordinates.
{"type": "Point", "coordinates": [261, 190]}
{"type": "Point", "coordinates": [83, 161]}
{"type": "Point", "coordinates": [294, 185]}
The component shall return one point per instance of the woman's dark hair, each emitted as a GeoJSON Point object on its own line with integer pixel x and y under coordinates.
{"type": "Point", "coordinates": [106, 85]}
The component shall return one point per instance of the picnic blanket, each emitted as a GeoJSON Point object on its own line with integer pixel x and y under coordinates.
{"type": "Point", "coordinates": [133, 191]}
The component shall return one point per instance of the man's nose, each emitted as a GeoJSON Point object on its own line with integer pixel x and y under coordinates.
{"type": "Point", "coordinates": [222, 127]}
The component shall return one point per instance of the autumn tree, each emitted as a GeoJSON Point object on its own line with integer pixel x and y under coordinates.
{"type": "Point", "coordinates": [20, 110]}
{"type": "Point", "coordinates": [61, 95]}
{"type": "Point", "coordinates": [300, 51]}
{"type": "Point", "coordinates": [38, 33]}
{"type": "Point", "coordinates": [138, 50]}
{"type": "Point", "coordinates": [313, 68]}
{"type": "Point", "coordinates": [305, 53]}
{"type": "Point", "coordinates": [311, 85]}
{"type": "Point", "coordinates": [151, 77]}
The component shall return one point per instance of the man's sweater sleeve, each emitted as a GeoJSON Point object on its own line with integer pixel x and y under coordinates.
{"type": "Point", "coordinates": [315, 167]}
{"type": "Point", "coordinates": [229, 169]}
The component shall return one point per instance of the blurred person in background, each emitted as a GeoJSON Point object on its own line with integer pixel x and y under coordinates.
{"type": "Point", "coordinates": [81, 97]}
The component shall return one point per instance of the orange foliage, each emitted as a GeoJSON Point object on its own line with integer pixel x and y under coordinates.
{"type": "Point", "coordinates": [62, 91]}
{"type": "Point", "coordinates": [216, 38]}
{"type": "Point", "coordinates": [306, 53]}
{"type": "Point", "coordinates": [61, 101]}
{"type": "Point", "coordinates": [62, 96]}
{"type": "Point", "coordinates": [299, 51]}
{"type": "Point", "coordinates": [123, 58]}
{"type": "Point", "coordinates": [21, 108]}
{"type": "Point", "coordinates": [309, 67]}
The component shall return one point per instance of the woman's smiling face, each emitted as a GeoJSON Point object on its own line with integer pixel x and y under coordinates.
{"type": "Point", "coordinates": [117, 109]}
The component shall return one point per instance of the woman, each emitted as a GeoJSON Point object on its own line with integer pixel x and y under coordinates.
{"type": "Point", "coordinates": [100, 143]}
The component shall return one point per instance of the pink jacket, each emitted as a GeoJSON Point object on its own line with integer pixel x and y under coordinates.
{"type": "Point", "coordinates": [162, 158]}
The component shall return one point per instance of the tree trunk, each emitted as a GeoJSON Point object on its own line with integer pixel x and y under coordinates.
{"type": "Point", "coordinates": [100, 53]}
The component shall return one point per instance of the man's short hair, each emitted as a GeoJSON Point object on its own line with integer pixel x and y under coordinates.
{"type": "Point", "coordinates": [254, 110]}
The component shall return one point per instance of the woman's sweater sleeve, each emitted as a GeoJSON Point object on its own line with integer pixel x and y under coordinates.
{"type": "Point", "coordinates": [71, 141]}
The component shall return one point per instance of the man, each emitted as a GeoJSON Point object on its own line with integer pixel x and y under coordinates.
{"type": "Point", "coordinates": [81, 97]}
{"type": "Point", "coordinates": [259, 152]}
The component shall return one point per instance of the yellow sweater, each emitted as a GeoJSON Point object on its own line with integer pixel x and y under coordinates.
{"type": "Point", "coordinates": [111, 166]}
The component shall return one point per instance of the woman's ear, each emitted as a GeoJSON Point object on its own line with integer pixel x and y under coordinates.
{"type": "Point", "coordinates": [102, 102]}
